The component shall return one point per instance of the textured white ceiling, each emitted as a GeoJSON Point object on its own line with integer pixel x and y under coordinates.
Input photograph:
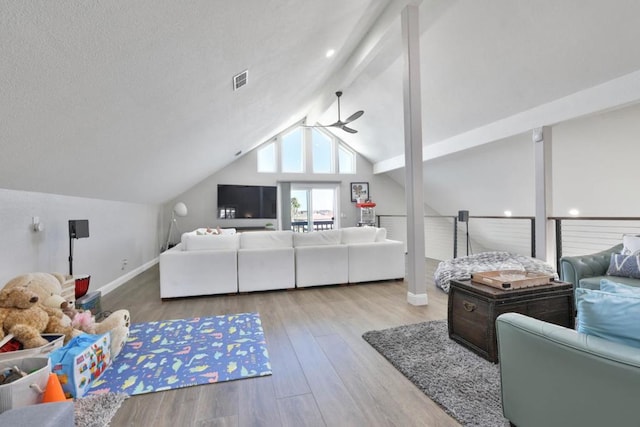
{"type": "Point", "coordinates": [133, 101]}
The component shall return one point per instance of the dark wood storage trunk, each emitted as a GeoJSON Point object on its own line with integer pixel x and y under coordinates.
{"type": "Point", "coordinates": [473, 309]}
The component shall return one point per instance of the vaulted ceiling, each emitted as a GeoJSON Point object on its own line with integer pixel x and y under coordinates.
{"type": "Point", "coordinates": [133, 101]}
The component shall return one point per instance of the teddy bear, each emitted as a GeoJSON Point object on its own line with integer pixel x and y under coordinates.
{"type": "Point", "coordinates": [49, 289]}
{"type": "Point", "coordinates": [26, 319]}
{"type": "Point", "coordinates": [47, 286]}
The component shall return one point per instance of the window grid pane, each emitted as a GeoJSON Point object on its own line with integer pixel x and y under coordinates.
{"type": "Point", "coordinates": [267, 158]}
{"type": "Point", "coordinates": [322, 151]}
{"type": "Point", "coordinates": [346, 160]}
{"type": "Point", "coordinates": [293, 152]}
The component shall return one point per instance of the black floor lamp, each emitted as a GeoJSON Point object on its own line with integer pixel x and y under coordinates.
{"type": "Point", "coordinates": [463, 216]}
{"type": "Point", "coordinates": [78, 229]}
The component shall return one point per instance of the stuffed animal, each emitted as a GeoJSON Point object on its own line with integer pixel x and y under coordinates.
{"type": "Point", "coordinates": [84, 320]}
{"type": "Point", "coordinates": [48, 287]}
{"type": "Point", "coordinates": [117, 323]}
{"type": "Point", "coordinates": [23, 316]}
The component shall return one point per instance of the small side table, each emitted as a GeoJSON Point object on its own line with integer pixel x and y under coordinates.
{"type": "Point", "coordinates": [474, 307]}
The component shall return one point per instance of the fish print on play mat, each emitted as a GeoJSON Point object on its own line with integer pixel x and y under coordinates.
{"type": "Point", "coordinates": [179, 353]}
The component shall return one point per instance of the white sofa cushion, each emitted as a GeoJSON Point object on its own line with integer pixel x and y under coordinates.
{"type": "Point", "coordinates": [381, 234]}
{"type": "Point", "coordinates": [266, 239]}
{"type": "Point", "coordinates": [352, 235]}
{"type": "Point", "coordinates": [631, 244]}
{"type": "Point", "coordinates": [266, 268]}
{"type": "Point", "coordinates": [322, 265]}
{"type": "Point", "coordinates": [194, 242]}
{"type": "Point", "coordinates": [194, 273]}
{"type": "Point", "coordinates": [376, 261]}
{"type": "Point", "coordinates": [317, 238]}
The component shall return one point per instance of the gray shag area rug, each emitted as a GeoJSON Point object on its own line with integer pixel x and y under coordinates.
{"type": "Point", "coordinates": [97, 410]}
{"type": "Point", "coordinates": [465, 385]}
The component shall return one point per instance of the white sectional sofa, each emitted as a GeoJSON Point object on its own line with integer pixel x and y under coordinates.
{"type": "Point", "coordinates": [200, 265]}
{"type": "Point", "coordinates": [372, 256]}
{"type": "Point", "coordinates": [267, 260]}
{"type": "Point", "coordinates": [321, 258]}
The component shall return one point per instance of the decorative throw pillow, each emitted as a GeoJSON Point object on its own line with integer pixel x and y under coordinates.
{"type": "Point", "coordinates": [610, 286]}
{"type": "Point", "coordinates": [609, 315]}
{"type": "Point", "coordinates": [208, 231]}
{"type": "Point", "coordinates": [624, 265]}
{"type": "Point", "coordinates": [630, 244]}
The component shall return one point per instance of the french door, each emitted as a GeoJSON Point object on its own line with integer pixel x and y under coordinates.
{"type": "Point", "coordinates": [314, 207]}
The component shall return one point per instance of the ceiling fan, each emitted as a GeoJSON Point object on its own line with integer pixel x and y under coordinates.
{"type": "Point", "coordinates": [342, 124]}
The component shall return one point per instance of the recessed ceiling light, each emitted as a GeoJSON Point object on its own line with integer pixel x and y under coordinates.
{"type": "Point", "coordinates": [574, 212]}
{"type": "Point", "coordinates": [330, 53]}
{"type": "Point", "coordinates": [507, 213]}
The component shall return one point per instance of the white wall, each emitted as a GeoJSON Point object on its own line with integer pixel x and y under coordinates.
{"type": "Point", "coordinates": [485, 180]}
{"type": "Point", "coordinates": [201, 200]}
{"type": "Point", "coordinates": [594, 169]}
{"type": "Point", "coordinates": [118, 231]}
{"type": "Point", "coordinates": [595, 164]}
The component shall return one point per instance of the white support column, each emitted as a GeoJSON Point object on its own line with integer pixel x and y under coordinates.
{"type": "Point", "coordinates": [417, 286]}
{"type": "Point", "coordinates": [545, 243]}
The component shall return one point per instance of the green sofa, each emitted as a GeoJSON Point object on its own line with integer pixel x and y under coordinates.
{"type": "Point", "coordinates": [554, 376]}
{"type": "Point", "coordinates": [586, 271]}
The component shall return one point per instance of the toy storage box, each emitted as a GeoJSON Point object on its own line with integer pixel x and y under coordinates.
{"type": "Point", "coordinates": [90, 302]}
{"type": "Point", "coordinates": [75, 287]}
{"type": "Point", "coordinates": [69, 290]}
{"type": "Point", "coordinates": [27, 390]}
{"type": "Point", "coordinates": [55, 341]}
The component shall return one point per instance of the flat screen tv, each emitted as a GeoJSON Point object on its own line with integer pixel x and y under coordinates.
{"type": "Point", "coordinates": [246, 201]}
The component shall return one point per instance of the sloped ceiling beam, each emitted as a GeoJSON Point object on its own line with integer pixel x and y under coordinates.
{"type": "Point", "coordinates": [362, 55]}
{"type": "Point", "coordinates": [611, 95]}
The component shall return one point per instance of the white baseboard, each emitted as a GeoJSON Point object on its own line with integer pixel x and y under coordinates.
{"type": "Point", "coordinates": [419, 299]}
{"type": "Point", "coordinates": [130, 275]}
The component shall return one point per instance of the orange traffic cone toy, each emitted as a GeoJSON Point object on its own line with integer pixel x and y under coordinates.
{"type": "Point", "coordinates": [53, 392]}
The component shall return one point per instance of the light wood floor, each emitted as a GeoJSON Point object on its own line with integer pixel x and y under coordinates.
{"type": "Point", "coordinates": [324, 373]}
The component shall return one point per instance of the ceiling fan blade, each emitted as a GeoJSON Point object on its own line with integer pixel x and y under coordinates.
{"type": "Point", "coordinates": [340, 124]}
{"type": "Point", "coordinates": [354, 116]}
{"type": "Point", "coordinates": [333, 125]}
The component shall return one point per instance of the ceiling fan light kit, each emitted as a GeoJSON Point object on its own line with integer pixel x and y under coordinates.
{"type": "Point", "coordinates": [342, 124]}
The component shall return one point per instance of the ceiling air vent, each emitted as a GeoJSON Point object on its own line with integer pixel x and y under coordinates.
{"type": "Point", "coordinates": [240, 79]}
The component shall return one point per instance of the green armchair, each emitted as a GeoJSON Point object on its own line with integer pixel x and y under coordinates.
{"type": "Point", "coordinates": [586, 271]}
{"type": "Point", "coordinates": [554, 376]}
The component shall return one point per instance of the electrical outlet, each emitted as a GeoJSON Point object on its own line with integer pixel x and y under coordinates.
{"type": "Point", "coordinates": [124, 263]}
